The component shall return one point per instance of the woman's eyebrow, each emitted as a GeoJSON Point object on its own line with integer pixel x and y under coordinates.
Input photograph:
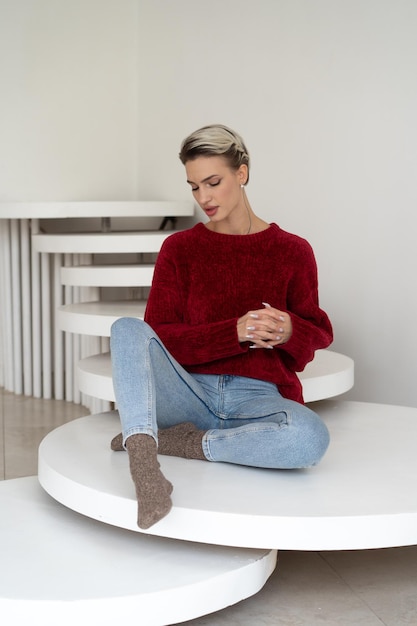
{"type": "Point", "coordinates": [204, 179]}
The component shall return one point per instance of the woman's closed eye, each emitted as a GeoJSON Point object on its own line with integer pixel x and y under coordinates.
{"type": "Point", "coordinates": [210, 184]}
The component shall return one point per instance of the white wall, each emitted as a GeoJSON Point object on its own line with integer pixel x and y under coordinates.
{"type": "Point", "coordinates": [98, 94]}
{"type": "Point", "coordinates": [68, 102]}
{"type": "Point", "coordinates": [324, 93]}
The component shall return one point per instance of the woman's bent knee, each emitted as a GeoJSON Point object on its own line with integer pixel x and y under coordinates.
{"type": "Point", "coordinates": [316, 443]}
{"type": "Point", "coordinates": [129, 326]}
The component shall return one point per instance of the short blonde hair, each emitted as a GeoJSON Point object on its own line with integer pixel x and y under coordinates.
{"type": "Point", "coordinates": [215, 140]}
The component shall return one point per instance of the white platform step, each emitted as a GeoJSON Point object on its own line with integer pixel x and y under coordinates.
{"type": "Point", "coordinates": [98, 208]}
{"type": "Point", "coordinates": [362, 495]}
{"type": "Point", "coordinates": [330, 374]}
{"type": "Point", "coordinates": [62, 568]}
{"type": "Point", "coordinates": [96, 318]}
{"type": "Point", "coordinates": [104, 243]}
{"type": "Point", "coordinates": [108, 275]}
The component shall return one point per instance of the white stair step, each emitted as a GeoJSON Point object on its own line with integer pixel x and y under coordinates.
{"type": "Point", "coordinates": [107, 275]}
{"type": "Point", "coordinates": [60, 567]}
{"type": "Point", "coordinates": [101, 243]}
{"type": "Point", "coordinates": [123, 208]}
{"type": "Point", "coordinates": [96, 318]}
{"type": "Point", "coordinates": [328, 375]}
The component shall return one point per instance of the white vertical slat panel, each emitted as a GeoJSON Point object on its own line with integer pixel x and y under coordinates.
{"type": "Point", "coordinates": [2, 299]}
{"type": "Point", "coordinates": [9, 379]}
{"type": "Point", "coordinates": [46, 326]}
{"type": "Point", "coordinates": [76, 341]}
{"type": "Point", "coordinates": [26, 306]}
{"type": "Point", "coordinates": [68, 341]}
{"type": "Point", "coordinates": [6, 290]}
{"type": "Point", "coordinates": [36, 317]}
{"type": "Point", "coordinates": [58, 339]}
{"type": "Point", "coordinates": [16, 308]}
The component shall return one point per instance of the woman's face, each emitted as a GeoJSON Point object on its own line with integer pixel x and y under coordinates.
{"type": "Point", "coordinates": [217, 187]}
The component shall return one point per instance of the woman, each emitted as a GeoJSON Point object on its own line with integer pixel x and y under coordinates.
{"type": "Point", "coordinates": [232, 315]}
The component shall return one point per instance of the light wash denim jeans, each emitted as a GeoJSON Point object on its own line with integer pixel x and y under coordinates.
{"type": "Point", "coordinates": [247, 421]}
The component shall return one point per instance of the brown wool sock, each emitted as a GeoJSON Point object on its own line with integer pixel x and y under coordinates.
{"type": "Point", "coordinates": [183, 440]}
{"type": "Point", "coordinates": [116, 443]}
{"type": "Point", "coordinates": [153, 490]}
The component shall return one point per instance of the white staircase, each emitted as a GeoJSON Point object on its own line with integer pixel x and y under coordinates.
{"type": "Point", "coordinates": [94, 266]}
{"type": "Point", "coordinates": [38, 239]}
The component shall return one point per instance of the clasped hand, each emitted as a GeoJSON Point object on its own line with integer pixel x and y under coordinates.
{"type": "Point", "coordinates": [265, 328]}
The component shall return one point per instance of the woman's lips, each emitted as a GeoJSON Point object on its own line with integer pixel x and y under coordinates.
{"type": "Point", "coordinates": [210, 210]}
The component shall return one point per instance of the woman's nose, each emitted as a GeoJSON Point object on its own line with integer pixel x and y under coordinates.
{"type": "Point", "coordinates": [204, 195]}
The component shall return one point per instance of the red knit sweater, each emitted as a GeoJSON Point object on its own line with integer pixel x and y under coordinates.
{"type": "Point", "coordinates": [204, 281]}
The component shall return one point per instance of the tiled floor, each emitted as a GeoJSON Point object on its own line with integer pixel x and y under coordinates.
{"type": "Point", "coordinates": [364, 588]}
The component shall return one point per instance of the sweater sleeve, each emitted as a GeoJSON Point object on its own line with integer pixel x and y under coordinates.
{"type": "Point", "coordinates": [312, 328]}
{"type": "Point", "coordinates": [166, 311]}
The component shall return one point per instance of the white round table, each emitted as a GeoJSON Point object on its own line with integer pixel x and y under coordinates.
{"type": "Point", "coordinates": [58, 567]}
{"type": "Point", "coordinates": [362, 495]}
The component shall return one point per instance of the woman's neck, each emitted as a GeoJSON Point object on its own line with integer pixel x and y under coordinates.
{"type": "Point", "coordinates": [248, 225]}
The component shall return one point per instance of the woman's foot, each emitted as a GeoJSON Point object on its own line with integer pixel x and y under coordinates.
{"type": "Point", "coordinates": [183, 440]}
{"type": "Point", "coordinates": [153, 490]}
{"type": "Point", "coordinates": [116, 443]}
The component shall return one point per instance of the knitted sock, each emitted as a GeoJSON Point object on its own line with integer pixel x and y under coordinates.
{"type": "Point", "coordinates": [153, 490]}
{"type": "Point", "coordinates": [183, 440]}
{"type": "Point", "coordinates": [116, 443]}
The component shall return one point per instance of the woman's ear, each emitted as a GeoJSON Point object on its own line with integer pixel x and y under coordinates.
{"type": "Point", "coordinates": [243, 174]}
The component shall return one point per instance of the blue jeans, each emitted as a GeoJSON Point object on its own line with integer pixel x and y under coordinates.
{"type": "Point", "coordinates": [247, 421]}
